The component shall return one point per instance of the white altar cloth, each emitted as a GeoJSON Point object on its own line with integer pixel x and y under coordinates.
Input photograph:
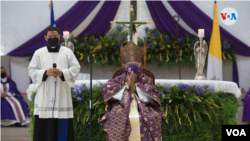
{"type": "Point", "coordinates": [226, 86]}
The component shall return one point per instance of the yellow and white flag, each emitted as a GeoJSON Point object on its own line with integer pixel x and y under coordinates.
{"type": "Point", "coordinates": [214, 68]}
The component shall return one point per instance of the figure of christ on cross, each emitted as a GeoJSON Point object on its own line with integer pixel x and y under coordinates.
{"type": "Point", "coordinates": [131, 23]}
{"type": "Point", "coordinates": [53, 101]}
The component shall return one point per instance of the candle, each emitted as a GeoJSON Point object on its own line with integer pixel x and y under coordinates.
{"type": "Point", "coordinates": [65, 34]}
{"type": "Point", "coordinates": [201, 32]}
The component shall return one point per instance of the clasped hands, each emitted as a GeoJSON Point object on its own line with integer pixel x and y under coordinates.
{"type": "Point", "coordinates": [131, 81]}
{"type": "Point", "coordinates": [54, 72]}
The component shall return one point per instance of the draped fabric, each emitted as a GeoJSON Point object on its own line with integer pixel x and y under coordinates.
{"type": "Point", "coordinates": [163, 19]}
{"type": "Point", "coordinates": [101, 23]}
{"type": "Point", "coordinates": [195, 19]}
{"type": "Point", "coordinates": [69, 21]}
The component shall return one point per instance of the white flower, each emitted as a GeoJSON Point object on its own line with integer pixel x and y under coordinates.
{"type": "Point", "coordinates": [31, 90]}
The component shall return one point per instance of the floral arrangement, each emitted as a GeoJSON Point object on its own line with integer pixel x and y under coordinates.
{"type": "Point", "coordinates": [161, 47]}
{"type": "Point", "coordinates": [191, 112]}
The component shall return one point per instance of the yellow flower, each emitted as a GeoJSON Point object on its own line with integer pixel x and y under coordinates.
{"type": "Point", "coordinates": [216, 105]}
{"type": "Point", "coordinates": [194, 114]}
{"type": "Point", "coordinates": [189, 119]}
{"type": "Point", "coordinates": [170, 101]}
{"type": "Point", "coordinates": [99, 118]}
{"type": "Point", "coordinates": [168, 46]}
{"type": "Point", "coordinates": [95, 104]}
{"type": "Point", "coordinates": [87, 118]}
{"type": "Point", "coordinates": [167, 56]}
{"type": "Point", "coordinates": [166, 112]}
{"type": "Point", "coordinates": [229, 55]}
{"type": "Point", "coordinates": [81, 56]}
{"type": "Point", "coordinates": [224, 55]}
{"type": "Point", "coordinates": [198, 99]}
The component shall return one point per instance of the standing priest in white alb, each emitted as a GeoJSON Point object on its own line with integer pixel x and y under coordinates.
{"type": "Point", "coordinates": [53, 69]}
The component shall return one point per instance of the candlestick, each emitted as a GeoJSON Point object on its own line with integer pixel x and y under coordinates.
{"type": "Point", "coordinates": [200, 52]}
{"type": "Point", "coordinates": [66, 42]}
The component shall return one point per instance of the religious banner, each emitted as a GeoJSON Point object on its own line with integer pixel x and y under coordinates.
{"type": "Point", "coordinates": [214, 69]}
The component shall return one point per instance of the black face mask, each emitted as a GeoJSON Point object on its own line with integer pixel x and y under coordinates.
{"type": "Point", "coordinates": [3, 75]}
{"type": "Point", "coordinates": [53, 41]}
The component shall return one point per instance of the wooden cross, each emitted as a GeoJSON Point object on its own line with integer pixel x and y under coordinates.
{"type": "Point", "coordinates": [131, 22]}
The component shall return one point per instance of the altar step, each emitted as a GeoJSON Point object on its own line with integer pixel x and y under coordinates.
{"type": "Point", "coordinates": [16, 139]}
{"type": "Point", "coordinates": [13, 133]}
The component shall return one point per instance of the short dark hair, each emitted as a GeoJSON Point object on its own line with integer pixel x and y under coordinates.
{"type": "Point", "coordinates": [51, 28]}
{"type": "Point", "coordinates": [2, 67]}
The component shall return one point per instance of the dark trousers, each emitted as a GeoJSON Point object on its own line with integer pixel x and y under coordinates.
{"type": "Point", "coordinates": [45, 129]}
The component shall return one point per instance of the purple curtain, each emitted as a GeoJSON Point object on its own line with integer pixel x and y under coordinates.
{"type": "Point", "coordinates": [69, 21]}
{"type": "Point", "coordinates": [196, 19]}
{"type": "Point", "coordinates": [101, 23]}
{"type": "Point", "coordinates": [235, 73]}
{"type": "Point", "coordinates": [163, 20]}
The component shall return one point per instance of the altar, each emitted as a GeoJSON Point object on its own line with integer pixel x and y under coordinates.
{"type": "Point", "coordinates": [225, 86]}
{"type": "Point", "coordinates": [184, 119]}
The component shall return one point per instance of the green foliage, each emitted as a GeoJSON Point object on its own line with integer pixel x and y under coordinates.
{"type": "Point", "coordinates": [161, 47]}
{"type": "Point", "coordinates": [190, 113]}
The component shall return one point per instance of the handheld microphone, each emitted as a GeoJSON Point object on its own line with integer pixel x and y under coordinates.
{"type": "Point", "coordinates": [54, 66]}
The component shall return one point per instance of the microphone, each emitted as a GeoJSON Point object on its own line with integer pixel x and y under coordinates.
{"type": "Point", "coordinates": [54, 66]}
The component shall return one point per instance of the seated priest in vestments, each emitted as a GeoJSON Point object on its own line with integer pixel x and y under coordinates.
{"type": "Point", "coordinates": [53, 69]}
{"type": "Point", "coordinates": [14, 110]}
{"type": "Point", "coordinates": [133, 113]}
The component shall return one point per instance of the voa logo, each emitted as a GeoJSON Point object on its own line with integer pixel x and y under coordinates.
{"type": "Point", "coordinates": [228, 16]}
{"type": "Point", "coordinates": [236, 132]}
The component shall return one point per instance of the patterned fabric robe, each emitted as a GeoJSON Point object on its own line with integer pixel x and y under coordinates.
{"type": "Point", "coordinates": [116, 120]}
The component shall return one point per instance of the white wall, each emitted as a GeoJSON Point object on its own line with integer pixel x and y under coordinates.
{"type": "Point", "coordinates": [22, 20]}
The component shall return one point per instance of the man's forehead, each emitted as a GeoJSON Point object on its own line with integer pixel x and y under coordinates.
{"type": "Point", "coordinates": [52, 32]}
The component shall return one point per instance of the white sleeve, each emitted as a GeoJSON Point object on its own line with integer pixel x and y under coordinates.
{"type": "Point", "coordinates": [119, 95]}
{"type": "Point", "coordinates": [35, 71]}
{"type": "Point", "coordinates": [143, 96]}
{"type": "Point", "coordinates": [71, 73]}
{"type": "Point", "coordinates": [9, 94]}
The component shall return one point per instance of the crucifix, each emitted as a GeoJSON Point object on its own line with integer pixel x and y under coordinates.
{"type": "Point", "coordinates": [131, 23]}
{"type": "Point", "coordinates": [52, 101]}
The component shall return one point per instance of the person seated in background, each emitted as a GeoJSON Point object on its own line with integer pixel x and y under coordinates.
{"type": "Point", "coordinates": [14, 110]}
